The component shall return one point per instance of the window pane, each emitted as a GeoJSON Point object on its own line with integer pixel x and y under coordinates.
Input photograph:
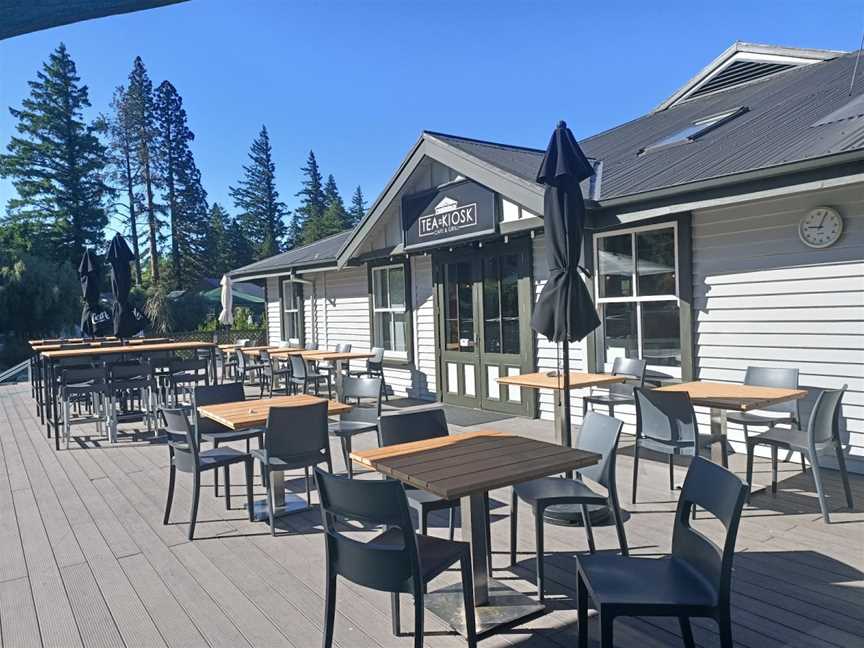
{"type": "Point", "coordinates": [491, 306]}
{"type": "Point", "coordinates": [510, 285]}
{"type": "Point", "coordinates": [619, 327]}
{"type": "Point", "coordinates": [510, 335]}
{"type": "Point", "coordinates": [655, 264]}
{"type": "Point", "coordinates": [458, 295]}
{"type": "Point", "coordinates": [615, 265]}
{"type": "Point", "coordinates": [379, 286]}
{"type": "Point", "coordinates": [397, 336]}
{"type": "Point", "coordinates": [397, 287]}
{"type": "Point", "coordinates": [661, 334]}
{"type": "Point", "coordinates": [382, 333]}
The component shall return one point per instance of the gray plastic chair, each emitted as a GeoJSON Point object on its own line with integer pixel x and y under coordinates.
{"type": "Point", "coordinates": [187, 456]}
{"type": "Point", "coordinates": [247, 369]}
{"type": "Point", "coordinates": [296, 437]}
{"type": "Point", "coordinates": [395, 561]}
{"type": "Point", "coordinates": [185, 375]}
{"type": "Point", "coordinates": [823, 431]}
{"type": "Point", "coordinates": [618, 393]}
{"type": "Point", "coordinates": [374, 369]}
{"type": "Point", "coordinates": [770, 377]}
{"type": "Point", "coordinates": [88, 385]}
{"type": "Point", "coordinates": [599, 434]}
{"type": "Point", "coordinates": [272, 372]}
{"type": "Point", "coordinates": [694, 581]}
{"type": "Point", "coordinates": [363, 417]}
{"type": "Point", "coordinates": [666, 424]}
{"type": "Point", "coordinates": [130, 392]}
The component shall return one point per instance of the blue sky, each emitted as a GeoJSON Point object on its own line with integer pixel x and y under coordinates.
{"type": "Point", "coordinates": [358, 81]}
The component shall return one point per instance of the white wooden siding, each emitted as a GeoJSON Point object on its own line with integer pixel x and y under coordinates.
{"type": "Point", "coordinates": [763, 298]}
{"type": "Point", "coordinates": [274, 311]}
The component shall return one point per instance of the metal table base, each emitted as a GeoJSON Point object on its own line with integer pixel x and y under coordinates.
{"type": "Point", "coordinates": [284, 502]}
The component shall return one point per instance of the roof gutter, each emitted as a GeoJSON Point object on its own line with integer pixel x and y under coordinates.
{"type": "Point", "coordinates": [281, 272]}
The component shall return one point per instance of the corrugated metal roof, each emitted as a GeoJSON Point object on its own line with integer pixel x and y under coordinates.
{"type": "Point", "coordinates": [318, 253]}
{"type": "Point", "coordinates": [521, 161]}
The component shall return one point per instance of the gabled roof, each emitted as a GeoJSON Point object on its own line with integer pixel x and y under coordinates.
{"type": "Point", "coordinates": [521, 161]}
{"type": "Point", "coordinates": [321, 253]}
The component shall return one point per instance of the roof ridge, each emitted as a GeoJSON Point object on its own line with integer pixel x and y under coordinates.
{"type": "Point", "coordinates": [485, 142]}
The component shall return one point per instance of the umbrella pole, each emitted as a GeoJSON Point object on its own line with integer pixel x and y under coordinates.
{"type": "Point", "coordinates": [565, 368]}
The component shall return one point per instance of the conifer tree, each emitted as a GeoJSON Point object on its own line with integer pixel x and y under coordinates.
{"type": "Point", "coordinates": [238, 246]}
{"type": "Point", "coordinates": [335, 218]}
{"type": "Point", "coordinates": [139, 97]}
{"type": "Point", "coordinates": [312, 202]}
{"type": "Point", "coordinates": [57, 163]}
{"type": "Point", "coordinates": [262, 215]}
{"type": "Point", "coordinates": [358, 207]}
{"type": "Point", "coordinates": [185, 199]}
{"type": "Point", "coordinates": [123, 167]}
{"type": "Point", "coordinates": [216, 252]}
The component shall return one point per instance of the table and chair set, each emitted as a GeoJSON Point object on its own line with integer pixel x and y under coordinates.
{"type": "Point", "coordinates": [424, 469]}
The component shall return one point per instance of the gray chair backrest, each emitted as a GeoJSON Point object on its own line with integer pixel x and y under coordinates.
{"type": "Point", "coordinates": [84, 379]}
{"type": "Point", "coordinates": [298, 366]}
{"type": "Point", "coordinates": [824, 423]}
{"type": "Point", "coordinates": [241, 361]}
{"type": "Point", "coordinates": [297, 431]}
{"type": "Point", "coordinates": [343, 348]}
{"type": "Point", "coordinates": [184, 441]}
{"type": "Point", "coordinates": [721, 493]}
{"type": "Point", "coordinates": [415, 424]}
{"type": "Point", "coordinates": [212, 395]}
{"type": "Point", "coordinates": [294, 342]}
{"type": "Point", "coordinates": [377, 359]}
{"type": "Point", "coordinates": [366, 394]}
{"type": "Point", "coordinates": [311, 346]}
{"type": "Point", "coordinates": [631, 368]}
{"type": "Point", "coordinates": [775, 377]}
{"type": "Point", "coordinates": [665, 416]}
{"type": "Point", "coordinates": [600, 434]}
{"type": "Point", "coordinates": [391, 567]}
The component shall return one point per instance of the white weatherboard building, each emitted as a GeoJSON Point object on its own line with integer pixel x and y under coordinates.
{"type": "Point", "coordinates": [726, 230]}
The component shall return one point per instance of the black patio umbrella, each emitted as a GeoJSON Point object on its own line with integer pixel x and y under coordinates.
{"type": "Point", "coordinates": [88, 273]}
{"type": "Point", "coordinates": [564, 311]}
{"type": "Point", "coordinates": [127, 320]}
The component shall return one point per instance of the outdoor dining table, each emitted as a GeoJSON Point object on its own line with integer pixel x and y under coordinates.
{"type": "Point", "coordinates": [49, 413]}
{"type": "Point", "coordinates": [467, 466]}
{"type": "Point", "coordinates": [242, 415]}
{"type": "Point", "coordinates": [338, 358]}
{"type": "Point", "coordinates": [722, 397]}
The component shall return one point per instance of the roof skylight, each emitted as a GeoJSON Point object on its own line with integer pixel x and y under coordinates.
{"type": "Point", "coordinates": [695, 129]}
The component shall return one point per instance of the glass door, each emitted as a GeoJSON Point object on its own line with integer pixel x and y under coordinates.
{"type": "Point", "coordinates": [460, 352]}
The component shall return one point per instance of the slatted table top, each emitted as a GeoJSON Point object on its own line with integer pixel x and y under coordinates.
{"type": "Point", "coordinates": [239, 415]}
{"type": "Point", "coordinates": [234, 347]}
{"type": "Point", "coordinates": [732, 396]}
{"type": "Point", "coordinates": [539, 380]}
{"type": "Point", "coordinates": [142, 347]}
{"type": "Point", "coordinates": [45, 341]}
{"type": "Point", "coordinates": [473, 462]}
{"type": "Point", "coordinates": [319, 356]}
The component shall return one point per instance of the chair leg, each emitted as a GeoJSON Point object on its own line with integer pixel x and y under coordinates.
{"type": "Point", "coordinates": [724, 622]}
{"type": "Point", "coordinates": [424, 521]}
{"type": "Point", "coordinates": [619, 527]}
{"type": "Point", "coordinates": [844, 475]}
{"type": "Point", "coordinates": [329, 608]}
{"type": "Point", "coordinates": [724, 451]}
{"type": "Point", "coordinates": [803, 463]}
{"type": "Point", "coordinates": [582, 611]}
{"type": "Point", "coordinates": [172, 475]}
{"type": "Point", "coordinates": [215, 475]}
{"type": "Point", "coordinates": [468, 599]}
{"type": "Point", "coordinates": [394, 614]}
{"type": "Point", "coordinates": [751, 448]}
{"type": "Point", "coordinates": [308, 487]}
{"type": "Point", "coordinates": [773, 469]}
{"type": "Point", "coordinates": [820, 489]}
{"type": "Point", "coordinates": [346, 452]}
{"type": "Point", "coordinates": [538, 539]}
{"type": "Point", "coordinates": [686, 632]}
{"type": "Point", "coordinates": [635, 471]}
{"type": "Point", "coordinates": [250, 502]}
{"type": "Point", "coordinates": [606, 621]}
{"type": "Point", "coordinates": [589, 532]}
{"type": "Point", "coordinates": [270, 495]}
{"type": "Point", "coordinates": [228, 487]}
{"type": "Point", "coordinates": [671, 472]}
{"type": "Point", "coordinates": [453, 515]}
{"type": "Point", "coordinates": [514, 512]}
{"type": "Point", "coordinates": [418, 620]}
{"type": "Point", "coordinates": [196, 493]}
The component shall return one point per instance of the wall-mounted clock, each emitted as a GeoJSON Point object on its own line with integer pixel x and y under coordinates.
{"type": "Point", "coordinates": [821, 227]}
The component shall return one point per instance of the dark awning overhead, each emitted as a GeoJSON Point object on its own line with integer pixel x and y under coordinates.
{"type": "Point", "coordinates": [18, 18]}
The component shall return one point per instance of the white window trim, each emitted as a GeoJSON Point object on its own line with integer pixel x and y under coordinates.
{"type": "Point", "coordinates": [636, 298]}
{"type": "Point", "coordinates": [286, 311]}
{"type": "Point", "coordinates": [388, 353]}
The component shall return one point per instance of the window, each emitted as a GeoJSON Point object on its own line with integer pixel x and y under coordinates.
{"type": "Point", "coordinates": [292, 311]}
{"type": "Point", "coordinates": [501, 304]}
{"type": "Point", "coordinates": [390, 322]}
{"type": "Point", "coordinates": [695, 129]}
{"type": "Point", "coordinates": [637, 294]}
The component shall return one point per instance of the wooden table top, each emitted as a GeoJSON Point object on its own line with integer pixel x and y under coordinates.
{"type": "Point", "coordinates": [473, 462]}
{"type": "Point", "coordinates": [92, 344]}
{"type": "Point", "coordinates": [253, 413]}
{"type": "Point", "coordinates": [539, 380]}
{"type": "Point", "coordinates": [234, 347]}
{"type": "Point", "coordinates": [733, 396]}
{"type": "Point", "coordinates": [319, 356]}
{"type": "Point", "coordinates": [68, 340]}
{"type": "Point", "coordinates": [143, 347]}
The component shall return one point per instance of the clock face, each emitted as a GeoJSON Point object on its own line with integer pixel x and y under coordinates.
{"type": "Point", "coordinates": [821, 227]}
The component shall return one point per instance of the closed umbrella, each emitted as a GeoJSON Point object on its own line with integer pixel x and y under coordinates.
{"type": "Point", "coordinates": [127, 320]}
{"type": "Point", "coordinates": [226, 317]}
{"type": "Point", "coordinates": [88, 273]}
{"type": "Point", "coordinates": [564, 311]}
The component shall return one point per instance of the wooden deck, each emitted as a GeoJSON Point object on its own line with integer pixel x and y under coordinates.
{"type": "Point", "coordinates": [86, 561]}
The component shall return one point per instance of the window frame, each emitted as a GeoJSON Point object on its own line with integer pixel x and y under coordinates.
{"type": "Point", "coordinates": [298, 309]}
{"type": "Point", "coordinates": [636, 298]}
{"type": "Point", "coordinates": [393, 358]}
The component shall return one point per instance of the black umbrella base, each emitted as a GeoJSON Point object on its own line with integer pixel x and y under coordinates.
{"type": "Point", "coordinates": [571, 514]}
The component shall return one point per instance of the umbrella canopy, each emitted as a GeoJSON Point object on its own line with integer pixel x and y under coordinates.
{"type": "Point", "coordinates": [127, 320]}
{"type": "Point", "coordinates": [564, 310]}
{"type": "Point", "coordinates": [226, 317]}
{"type": "Point", "coordinates": [94, 321]}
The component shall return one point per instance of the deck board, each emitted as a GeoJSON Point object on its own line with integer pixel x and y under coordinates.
{"type": "Point", "coordinates": [86, 561]}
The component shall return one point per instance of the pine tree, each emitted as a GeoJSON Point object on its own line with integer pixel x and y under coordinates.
{"type": "Point", "coordinates": [216, 253]}
{"type": "Point", "coordinates": [139, 97]}
{"type": "Point", "coordinates": [262, 214]}
{"type": "Point", "coordinates": [238, 246]}
{"type": "Point", "coordinates": [185, 199]}
{"type": "Point", "coordinates": [358, 208]}
{"type": "Point", "coordinates": [333, 201]}
{"type": "Point", "coordinates": [312, 203]}
{"type": "Point", "coordinates": [122, 158]}
{"type": "Point", "coordinates": [57, 163]}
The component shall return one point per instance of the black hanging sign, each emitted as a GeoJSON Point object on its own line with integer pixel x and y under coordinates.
{"type": "Point", "coordinates": [458, 210]}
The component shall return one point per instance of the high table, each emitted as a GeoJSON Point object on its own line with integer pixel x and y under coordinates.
{"type": "Point", "coordinates": [338, 358]}
{"type": "Point", "coordinates": [241, 415]}
{"type": "Point", "coordinates": [721, 397]}
{"type": "Point", "coordinates": [467, 466]}
{"type": "Point", "coordinates": [50, 358]}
